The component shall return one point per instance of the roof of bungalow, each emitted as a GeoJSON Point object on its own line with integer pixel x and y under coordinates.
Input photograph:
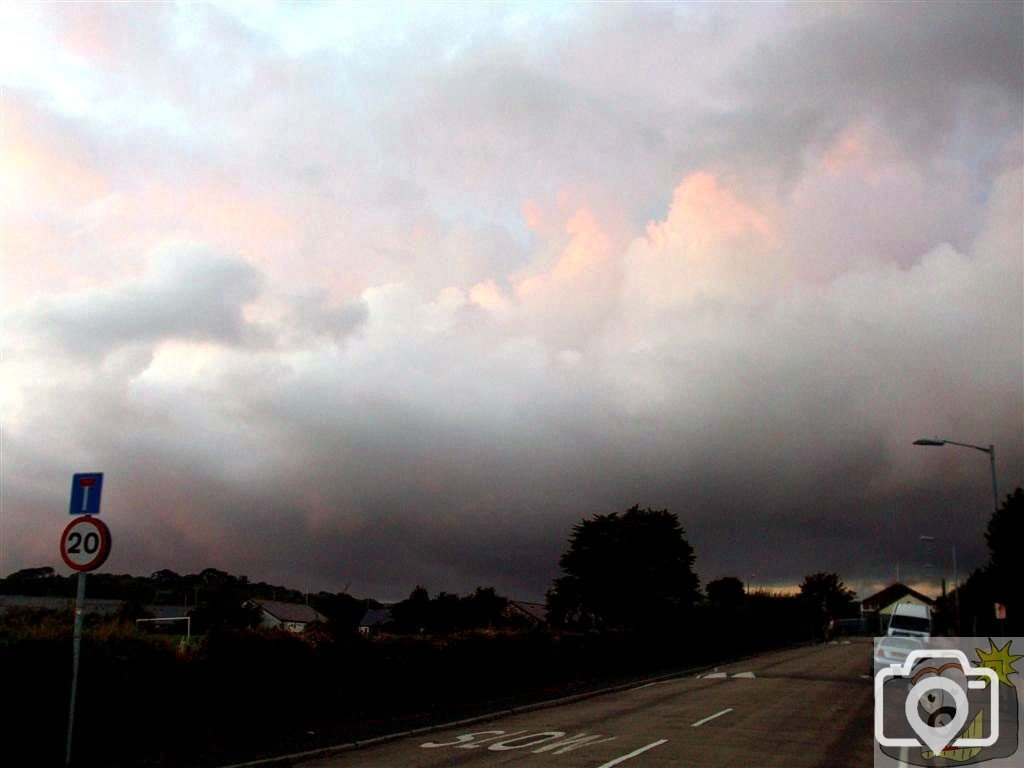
{"type": "Point", "coordinates": [890, 595]}
{"type": "Point", "coordinates": [375, 617]}
{"type": "Point", "coordinates": [92, 605]}
{"type": "Point", "coordinates": [535, 611]}
{"type": "Point", "coordinates": [298, 613]}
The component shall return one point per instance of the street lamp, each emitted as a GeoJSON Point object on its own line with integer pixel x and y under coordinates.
{"type": "Point", "coordinates": [990, 450]}
{"type": "Point", "coordinates": [956, 579]}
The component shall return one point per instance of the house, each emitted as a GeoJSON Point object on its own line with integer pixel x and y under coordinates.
{"type": "Point", "coordinates": [877, 608]}
{"type": "Point", "coordinates": [519, 612]}
{"type": "Point", "coordinates": [373, 620]}
{"type": "Point", "coordinates": [93, 606]}
{"type": "Point", "coordinates": [291, 617]}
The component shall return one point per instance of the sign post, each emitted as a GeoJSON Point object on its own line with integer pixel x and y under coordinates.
{"type": "Point", "coordinates": [84, 547]}
{"type": "Point", "coordinates": [76, 653]}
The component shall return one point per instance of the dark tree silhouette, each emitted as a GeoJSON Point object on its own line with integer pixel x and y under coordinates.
{"type": "Point", "coordinates": [624, 570]}
{"type": "Point", "coordinates": [727, 591]}
{"type": "Point", "coordinates": [447, 612]}
{"type": "Point", "coordinates": [413, 613]}
{"type": "Point", "coordinates": [1005, 535]}
{"type": "Point", "coordinates": [827, 597]}
{"type": "Point", "coordinates": [343, 611]}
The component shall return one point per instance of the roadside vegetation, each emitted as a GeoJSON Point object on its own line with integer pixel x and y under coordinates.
{"type": "Point", "coordinates": [627, 604]}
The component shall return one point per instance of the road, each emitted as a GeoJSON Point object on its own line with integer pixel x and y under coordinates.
{"type": "Point", "coordinates": [798, 708]}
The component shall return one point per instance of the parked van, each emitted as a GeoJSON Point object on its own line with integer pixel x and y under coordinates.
{"type": "Point", "coordinates": [910, 620]}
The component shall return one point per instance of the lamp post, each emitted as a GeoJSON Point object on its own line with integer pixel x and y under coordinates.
{"type": "Point", "coordinates": [956, 579]}
{"type": "Point", "coordinates": [990, 450]}
{"type": "Point", "coordinates": [991, 463]}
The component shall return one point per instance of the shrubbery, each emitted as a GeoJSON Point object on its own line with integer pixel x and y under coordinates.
{"type": "Point", "coordinates": [245, 693]}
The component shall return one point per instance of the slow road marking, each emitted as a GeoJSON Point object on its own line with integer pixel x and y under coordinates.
{"type": "Point", "coordinates": [536, 742]}
{"type": "Point", "coordinates": [711, 717]}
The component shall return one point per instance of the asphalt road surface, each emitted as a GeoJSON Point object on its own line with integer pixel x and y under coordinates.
{"type": "Point", "coordinates": [799, 708]}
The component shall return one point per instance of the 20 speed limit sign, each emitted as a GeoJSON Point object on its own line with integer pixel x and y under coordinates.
{"type": "Point", "coordinates": [85, 543]}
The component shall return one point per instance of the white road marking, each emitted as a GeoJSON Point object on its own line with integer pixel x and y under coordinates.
{"type": "Point", "coordinates": [745, 675]}
{"type": "Point", "coordinates": [477, 742]}
{"type": "Point", "coordinates": [463, 741]}
{"type": "Point", "coordinates": [713, 676]}
{"type": "Point", "coordinates": [556, 742]}
{"type": "Point", "coordinates": [573, 743]}
{"type": "Point", "coordinates": [712, 717]}
{"type": "Point", "coordinates": [650, 685]}
{"type": "Point", "coordinates": [529, 740]}
{"type": "Point", "coordinates": [632, 754]}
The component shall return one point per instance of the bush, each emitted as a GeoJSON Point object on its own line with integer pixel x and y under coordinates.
{"type": "Point", "coordinates": [240, 694]}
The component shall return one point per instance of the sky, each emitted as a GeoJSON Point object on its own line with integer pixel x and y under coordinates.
{"type": "Point", "coordinates": [364, 296]}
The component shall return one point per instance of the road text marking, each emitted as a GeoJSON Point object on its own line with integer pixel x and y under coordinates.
{"type": "Point", "coordinates": [632, 754]}
{"type": "Point", "coordinates": [712, 717]}
{"type": "Point", "coordinates": [555, 742]}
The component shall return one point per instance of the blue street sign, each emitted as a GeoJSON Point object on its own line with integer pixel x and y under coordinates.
{"type": "Point", "coordinates": [86, 488]}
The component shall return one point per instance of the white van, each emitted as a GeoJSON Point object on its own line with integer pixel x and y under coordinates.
{"type": "Point", "coordinates": [910, 620]}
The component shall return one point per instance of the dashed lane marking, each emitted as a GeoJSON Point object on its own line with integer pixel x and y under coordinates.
{"type": "Point", "coordinates": [711, 717]}
{"type": "Point", "coordinates": [632, 754]}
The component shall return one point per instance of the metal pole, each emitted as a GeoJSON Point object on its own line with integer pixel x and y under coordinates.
{"type": "Point", "coordinates": [995, 489]}
{"type": "Point", "coordinates": [76, 653]}
{"type": "Point", "coordinates": [956, 594]}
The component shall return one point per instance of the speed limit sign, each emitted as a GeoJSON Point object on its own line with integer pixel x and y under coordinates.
{"type": "Point", "coordinates": [85, 543]}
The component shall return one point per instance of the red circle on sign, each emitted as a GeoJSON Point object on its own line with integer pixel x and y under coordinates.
{"type": "Point", "coordinates": [85, 543]}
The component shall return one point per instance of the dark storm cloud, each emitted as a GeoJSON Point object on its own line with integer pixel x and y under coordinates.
{"type": "Point", "coordinates": [764, 249]}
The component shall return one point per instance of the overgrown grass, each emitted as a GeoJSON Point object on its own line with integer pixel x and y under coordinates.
{"type": "Point", "coordinates": [146, 700]}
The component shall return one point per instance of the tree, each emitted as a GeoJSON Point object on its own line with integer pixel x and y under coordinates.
{"type": "Point", "coordinates": [413, 613]}
{"type": "Point", "coordinates": [826, 596]}
{"type": "Point", "coordinates": [629, 570]}
{"type": "Point", "coordinates": [727, 591]}
{"type": "Point", "coordinates": [1004, 536]}
{"type": "Point", "coordinates": [341, 609]}
{"type": "Point", "coordinates": [484, 607]}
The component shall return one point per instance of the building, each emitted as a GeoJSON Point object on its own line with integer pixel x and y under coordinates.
{"type": "Point", "coordinates": [877, 608]}
{"type": "Point", "coordinates": [521, 613]}
{"type": "Point", "coordinates": [97, 606]}
{"type": "Point", "coordinates": [373, 620]}
{"type": "Point", "coordinates": [291, 617]}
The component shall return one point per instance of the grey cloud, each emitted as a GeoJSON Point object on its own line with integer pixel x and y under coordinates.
{"type": "Point", "coordinates": [311, 315]}
{"type": "Point", "coordinates": [192, 294]}
{"type": "Point", "coordinates": [921, 69]}
{"type": "Point", "coordinates": [369, 433]}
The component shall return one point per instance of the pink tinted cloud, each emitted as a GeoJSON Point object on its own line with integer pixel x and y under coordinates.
{"type": "Point", "coordinates": [704, 212]}
{"type": "Point", "coordinates": [583, 263]}
{"type": "Point", "coordinates": [711, 241]}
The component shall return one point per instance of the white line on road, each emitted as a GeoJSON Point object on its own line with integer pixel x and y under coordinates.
{"type": "Point", "coordinates": [656, 682]}
{"type": "Point", "coordinates": [712, 717]}
{"type": "Point", "coordinates": [632, 754]}
{"type": "Point", "coordinates": [744, 676]}
{"type": "Point", "coordinates": [713, 676]}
